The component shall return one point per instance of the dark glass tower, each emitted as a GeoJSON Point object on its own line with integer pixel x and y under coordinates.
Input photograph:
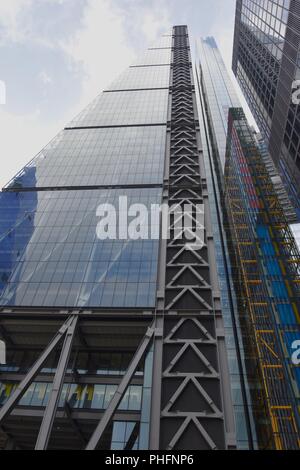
{"type": "Point", "coordinates": [115, 343]}
{"type": "Point", "coordinates": [266, 61]}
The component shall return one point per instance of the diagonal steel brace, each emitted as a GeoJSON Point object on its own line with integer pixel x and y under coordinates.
{"type": "Point", "coordinates": [118, 396]}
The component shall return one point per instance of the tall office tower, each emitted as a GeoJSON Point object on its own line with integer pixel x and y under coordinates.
{"type": "Point", "coordinates": [216, 98]}
{"type": "Point", "coordinates": [216, 95]}
{"type": "Point", "coordinates": [266, 266]}
{"type": "Point", "coordinates": [266, 61]}
{"type": "Point", "coordinates": [279, 187]}
{"type": "Point", "coordinates": [118, 342]}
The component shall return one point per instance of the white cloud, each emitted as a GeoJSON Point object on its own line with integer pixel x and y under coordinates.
{"type": "Point", "coordinates": [155, 20]}
{"type": "Point", "coordinates": [22, 137]}
{"type": "Point", "coordinates": [100, 45]}
{"type": "Point", "coordinates": [9, 12]}
{"type": "Point", "coordinates": [2, 92]}
{"type": "Point", "coordinates": [45, 77]}
{"type": "Point", "coordinates": [16, 29]}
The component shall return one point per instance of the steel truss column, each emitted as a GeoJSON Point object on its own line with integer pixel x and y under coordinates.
{"type": "Point", "coordinates": [156, 384]}
{"type": "Point", "coordinates": [194, 407]}
{"type": "Point", "coordinates": [118, 396]}
{"type": "Point", "coordinates": [49, 416]}
{"type": "Point", "coordinates": [34, 371]}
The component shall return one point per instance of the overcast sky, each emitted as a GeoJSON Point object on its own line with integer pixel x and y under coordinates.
{"type": "Point", "coordinates": [57, 55]}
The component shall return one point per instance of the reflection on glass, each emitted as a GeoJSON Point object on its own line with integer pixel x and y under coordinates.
{"type": "Point", "coordinates": [82, 396]}
{"type": "Point", "coordinates": [107, 156]}
{"type": "Point", "coordinates": [56, 259]}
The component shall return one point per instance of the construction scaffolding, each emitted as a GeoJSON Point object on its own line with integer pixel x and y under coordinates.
{"type": "Point", "coordinates": [266, 264]}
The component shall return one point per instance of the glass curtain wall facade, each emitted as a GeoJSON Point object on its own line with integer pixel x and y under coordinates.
{"type": "Point", "coordinates": [265, 262]}
{"type": "Point", "coordinates": [259, 427]}
{"type": "Point", "coordinates": [116, 343]}
{"type": "Point", "coordinates": [266, 63]}
{"type": "Point", "coordinates": [216, 95]}
{"type": "Point", "coordinates": [52, 261]}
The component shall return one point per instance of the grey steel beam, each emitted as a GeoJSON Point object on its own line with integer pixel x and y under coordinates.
{"type": "Point", "coordinates": [117, 398]}
{"type": "Point", "coordinates": [133, 437]}
{"type": "Point", "coordinates": [10, 445]}
{"type": "Point", "coordinates": [154, 432]}
{"type": "Point", "coordinates": [4, 335]}
{"type": "Point", "coordinates": [50, 412]}
{"type": "Point", "coordinates": [6, 440]}
{"type": "Point", "coordinates": [34, 371]}
{"type": "Point", "coordinates": [77, 414]}
{"type": "Point", "coordinates": [154, 435]}
{"type": "Point", "coordinates": [74, 424]}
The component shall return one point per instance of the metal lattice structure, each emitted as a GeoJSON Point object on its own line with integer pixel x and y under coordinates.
{"type": "Point", "coordinates": [267, 279]}
{"type": "Point", "coordinates": [196, 404]}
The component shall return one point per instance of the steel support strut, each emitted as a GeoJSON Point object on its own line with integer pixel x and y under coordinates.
{"type": "Point", "coordinates": [118, 396]}
{"type": "Point", "coordinates": [50, 412]}
{"type": "Point", "coordinates": [34, 371]}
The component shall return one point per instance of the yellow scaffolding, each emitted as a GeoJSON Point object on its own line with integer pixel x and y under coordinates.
{"type": "Point", "coordinates": [264, 255]}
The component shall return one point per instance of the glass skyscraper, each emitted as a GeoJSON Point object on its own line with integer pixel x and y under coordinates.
{"type": "Point", "coordinates": [115, 343]}
{"type": "Point", "coordinates": [216, 95]}
{"type": "Point", "coordinates": [225, 159]}
{"type": "Point", "coordinates": [116, 336]}
{"type": "Point", "coordinates": [266, 62]}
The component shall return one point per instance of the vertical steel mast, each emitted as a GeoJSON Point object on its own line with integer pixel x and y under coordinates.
{"type": "Point", "coordinates": [195, 409]}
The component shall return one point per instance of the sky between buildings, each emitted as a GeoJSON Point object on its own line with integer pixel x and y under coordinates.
{"type": "Point", "coordinates": [57, 55]}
